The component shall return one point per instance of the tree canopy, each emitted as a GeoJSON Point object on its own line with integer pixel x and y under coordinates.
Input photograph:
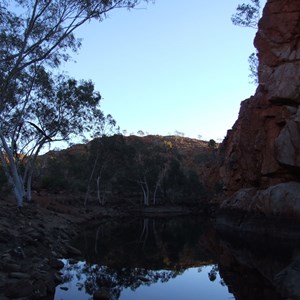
{"type": "Point", "coordinates": [248, 15]}
{"type": "Point", "coordinates": [38, 105]}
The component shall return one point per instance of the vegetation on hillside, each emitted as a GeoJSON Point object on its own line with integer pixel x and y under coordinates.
{"type": "Point", "coordinates": [38, 105]}
{"type": "Point", "coordinates": [149, 170]}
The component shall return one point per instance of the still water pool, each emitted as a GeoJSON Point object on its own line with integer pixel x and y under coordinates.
{"type": "Point", "coordinates": [143, 258]}
{"type": "Point", "coordinates": [173, 259]}
{"type": "Point", "coordinates": [192, 283]}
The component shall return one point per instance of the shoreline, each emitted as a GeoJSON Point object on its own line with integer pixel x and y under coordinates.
{"type": "Point", "coordinates": [35, 238]}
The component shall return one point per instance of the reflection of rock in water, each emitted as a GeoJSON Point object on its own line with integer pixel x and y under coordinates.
{"type": "Point", "coordinates": [288, 280]}
{"type": "Point", "coordinates": [247, 283]}
{"type": "Point", "coordinates": [258, 268]}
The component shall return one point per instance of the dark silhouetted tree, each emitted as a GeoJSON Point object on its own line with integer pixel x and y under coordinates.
{"type": "Point", "coordinates": [35, 37]}
{"type": "Point", "coordinates": [212, 143]}
{"type": "Point", "coordinates": [248, 15]}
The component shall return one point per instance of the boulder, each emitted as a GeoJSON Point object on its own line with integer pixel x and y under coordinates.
{"type": "Point", "coordinates": [288, 144]}
{"type": "Point", "coordinates": [18, 275]}
{"type": "Point", "coordinates": [56, 264]}
{"type": "Point", "coordinates": [18, 289]}
{"type": "Point", "coordinates": [72, 251]}
{"type": "Point", "coordinates": [281, 200]}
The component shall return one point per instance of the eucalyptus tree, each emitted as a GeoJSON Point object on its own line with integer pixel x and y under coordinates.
{"type": "Point", "coordinates": [148, 168]}
{"type": "Point", "coordinates": [107, 156]}
{"type": "Point", "coordinates": [36, 36]}
{"type": "Point", "coordinates": [59, 111]}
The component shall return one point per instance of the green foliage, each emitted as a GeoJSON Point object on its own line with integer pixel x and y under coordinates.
{"type": "Point", "coordinates": [168, 144]}
{"type": "Point", "coordinates": [76, 172]}
{"type": "Point", "coordinates": [212, 143]}
{"type": "Point", "coordinates": [54, 179]}
{"type": "Point", "coordinates": [132, 168]}
{"type": "Point", "coordinates": [107, 158]}
{"type": "Point", "coordinates": [193, 184]}
{"type": "Point", "coordinates": [204, 157]}
{"type": "Point", "coordinates": [253, 67]}
{"type": "Point", "coordinates": [3, 179]}
{"type": "Point", "coordinates": [66, 172]}
{"type": "Point", "coordinates": [247, 15]}
{"type": "Point", "coordinates": [141, 133]}
{"type": "Point", "coordinates": [36, 106]}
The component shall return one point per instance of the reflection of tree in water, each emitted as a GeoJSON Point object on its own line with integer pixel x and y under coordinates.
{"type": "Point", "coordinates": [111, 281]}
{"type": "Point", "coordinates": [144, 243]}
{"type": "Point", "coordinates": [134, 252]}
{"type": "Point", "coordinates": [212, 274]}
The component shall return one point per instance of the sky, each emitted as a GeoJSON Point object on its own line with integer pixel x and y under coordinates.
{"type": "Point", "coordinates": [169, 66]}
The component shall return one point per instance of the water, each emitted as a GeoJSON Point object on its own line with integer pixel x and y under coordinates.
{"type": "Point", "coordinates": [175, 258]}
{"type": "Point", "coordinates": [191, 283]}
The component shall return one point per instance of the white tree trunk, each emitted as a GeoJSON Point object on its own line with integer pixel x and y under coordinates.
{"type": "Point", "coordinates": [30, 165]}
{"type": "Point", "coordinates": [29, 187]}
{"type": "Point", "coordinates": [158, 182]}
{"type": "Point", "coordinates": [147, 194]}
{"type": "Point", "coordinates": [90, 180]}
{"type": "Point", "coordinates": [155, 192]}
{"type": "Point", "coordinates": [145, 189]}
{"type": "Point", "coordinates": [100, 199]}
{"type": "Point", "coordinates": [12, 171]}
{"type": "Point", "coordinates": [145, 232]}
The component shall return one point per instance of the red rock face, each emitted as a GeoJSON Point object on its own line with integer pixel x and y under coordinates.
{"type": "Point", "coordinates": [263, 147]}
{"type": "Point", "coordinates": [278, 43]}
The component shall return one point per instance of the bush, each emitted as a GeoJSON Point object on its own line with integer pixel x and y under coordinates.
{"type": "Point", "coordinates": [212, 143]}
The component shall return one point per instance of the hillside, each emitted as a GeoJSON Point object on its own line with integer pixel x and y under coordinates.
{"type": "Point", "coordinates": [148, 170]}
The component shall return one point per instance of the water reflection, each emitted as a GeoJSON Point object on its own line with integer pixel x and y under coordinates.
{"type": "Point", "coordinates": [144, 259]}
{"type": "Point", "coordinates": [106, 283]}
{"type": "Point", "coordinates": [147, 243]}
{"type": "Point", "coordinates": [180, 258]}
{"type": "Point", "coordinates": [259, 267]}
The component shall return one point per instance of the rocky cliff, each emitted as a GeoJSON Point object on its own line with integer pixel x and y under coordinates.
{"type": "Point", "coordinates": [261, 153]}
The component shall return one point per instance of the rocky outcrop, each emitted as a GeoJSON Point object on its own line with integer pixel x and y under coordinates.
{"type": "Point", "coordinates": [262, 150]}
{"type": "Point", "coordinates": [32, 241]}
{"type": "Point", "coordinates": [278, 200]}
{"type": "Point", "coordinates": [278, 44]}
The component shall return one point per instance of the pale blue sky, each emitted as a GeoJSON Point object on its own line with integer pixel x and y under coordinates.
{"type": "Point", "coordinates": [172, 66]}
